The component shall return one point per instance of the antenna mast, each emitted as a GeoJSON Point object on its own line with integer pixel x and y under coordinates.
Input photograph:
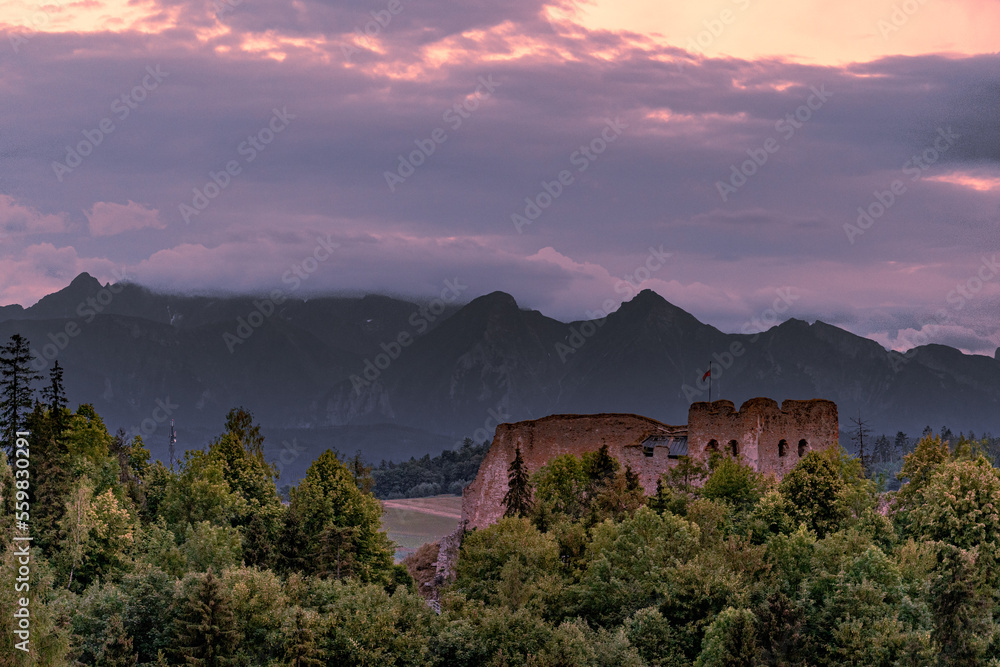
{"type": "Point", "coordinates": [173, 441]}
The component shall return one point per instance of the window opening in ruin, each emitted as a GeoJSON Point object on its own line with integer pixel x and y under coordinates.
{"type": "Point", "coordinates": [782, 447]}
{"type": "Point", "coordinates": [713, 445]}
{"type": "Point", "coordinates": [734, 449]}
{"type": "Point", "coordinates": [803, 447]}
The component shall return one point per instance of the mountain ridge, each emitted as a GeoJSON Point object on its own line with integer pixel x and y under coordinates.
{"type": "Point", "coordinates": [455, 371]}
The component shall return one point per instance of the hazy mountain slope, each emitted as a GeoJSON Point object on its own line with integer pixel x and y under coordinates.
{"type": "Point", "coordinates": [327, 367]}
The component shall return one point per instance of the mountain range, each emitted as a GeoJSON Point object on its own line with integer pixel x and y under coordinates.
{"type": "Point", "coordinates": [394, 378]}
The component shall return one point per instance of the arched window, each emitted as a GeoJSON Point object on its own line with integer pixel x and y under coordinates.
{"type": "Point", "coordinates": [782, 447]}
{"type": "Point", "coordinates": [803, 447]}
{"type": "Point", "coordinates": [712, 446]}
{"type": "Point", "coordinates": [734, 449]}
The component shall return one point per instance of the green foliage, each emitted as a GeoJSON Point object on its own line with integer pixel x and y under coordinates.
{"type": "Point", "coordinates": [207, 546]}
{"type": "Point", "coordinates": [652, 634]}
{"type": "Point", "coordinates": [339, 524]}
{"type": "Point", "coordinates": [199, 493]}
{"type": "Point", "coordinates": [504, 562]}
{"type": "Point", "coordinates": [449, 472]}
{"type": "Point", "coordinates": [629, 562]}
{"type": "Point", "coordinates": [918, 468]}
{"type": "Point", "coordinates": [258, 602]}
{"type": "Point", "coordinates": [733, 482]}
{"type": "Point", "coordinates": [561, 486]}
{"type": "Point", "coordinates": [770, 516]}
{"type": "Point", "coordinates": [49, 636]}
{"type": "Point", "coordinates": [814, 490]}
{"type": "Point", "coordinates": [960, 505]}
{"type": "Point", "coordinates": [205, 634]}
{"type": "Point", "coordinates": [731, 641]}
{"type": "Point", "coordinates": [139, 565]}
{"type": "Point", "coordinates": [86, 435]}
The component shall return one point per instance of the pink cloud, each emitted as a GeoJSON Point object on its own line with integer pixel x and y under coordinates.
{"type": "Point", "coordinates": [43, 268]}
{"type": "Point", "coordinates": [20, 220]}
{"type": "Point", "coordinates": [108, 218]}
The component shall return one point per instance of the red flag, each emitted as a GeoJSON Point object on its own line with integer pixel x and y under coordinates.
{"type": "Point", "coordinates": [707, 373]}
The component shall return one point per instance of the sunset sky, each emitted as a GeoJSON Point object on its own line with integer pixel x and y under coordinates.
{"type": "Point", "coordinates": [716, 152]}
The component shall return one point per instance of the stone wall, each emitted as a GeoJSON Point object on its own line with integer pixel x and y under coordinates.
{"type": "Point", "coordinates": [548, 437]}
{"type": "Point", "coordinates": [766, 437]}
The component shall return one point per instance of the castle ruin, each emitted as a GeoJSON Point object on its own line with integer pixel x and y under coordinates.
{"type": "Point", "coordinates": [769, 439]}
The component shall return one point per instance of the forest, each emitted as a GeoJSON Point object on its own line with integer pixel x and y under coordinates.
{"type": "Point", "coordinates": [134, 563]}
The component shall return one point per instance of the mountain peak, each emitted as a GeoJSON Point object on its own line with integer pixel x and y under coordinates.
{"type": "Point", "coordinates": [496, 299]}
{"type": "Point", "coordinates": [84, 281]}
{"type": "Point", "coordinates": [647, 303]}
{"type": "Point", "coordinates": [65, 302]}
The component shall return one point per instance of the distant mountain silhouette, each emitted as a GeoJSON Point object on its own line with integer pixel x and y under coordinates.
{"type": "Point", "coordinates": [400, 378]}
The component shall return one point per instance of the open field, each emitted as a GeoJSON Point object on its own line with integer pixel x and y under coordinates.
{"type": "Point", "coordinates": [411, 522]}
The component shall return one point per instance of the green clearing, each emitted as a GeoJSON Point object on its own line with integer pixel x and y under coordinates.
{"type": "Point", "coordinates": [411, 522]}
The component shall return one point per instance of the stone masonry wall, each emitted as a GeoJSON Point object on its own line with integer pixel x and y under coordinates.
{"type": "Point", "coordinates": [548, 437]}
{"type": "Point", "coordinates": [757, 429]}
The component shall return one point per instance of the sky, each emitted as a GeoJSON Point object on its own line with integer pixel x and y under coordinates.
{"type": "Point", "coordinates": [749, 160]}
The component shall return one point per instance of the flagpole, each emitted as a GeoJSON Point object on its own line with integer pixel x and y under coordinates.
{"type": "Point", "coordinates": [710, 378]}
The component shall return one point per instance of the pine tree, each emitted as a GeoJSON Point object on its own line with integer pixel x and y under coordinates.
{"type": "Point", "coordinates": [51, 478]}
{"type": "Point", "coordinates": [206, 627]}
{"type": "Point", "coordinates": [55, 397]}
{"type": "Point", "coordinates": [362, 473]}
{"type": "Point", "coordinates": [518, 497]}
{"type": "Point", "coordinates": [15, 387]}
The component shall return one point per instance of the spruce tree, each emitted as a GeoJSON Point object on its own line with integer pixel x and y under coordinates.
{"type": "Point", "coordinates": [206, 627]}
{"type": "Point", "coordinates": [300, 644]}
{"type": "Point", "coordinates": [51, 477]}
{"type": "Point", "coordinates": [518, 497]}
{"type": "Point", "coordinates": [55, 397]}
{"type": "Point", "coordinates": [16, 376]}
